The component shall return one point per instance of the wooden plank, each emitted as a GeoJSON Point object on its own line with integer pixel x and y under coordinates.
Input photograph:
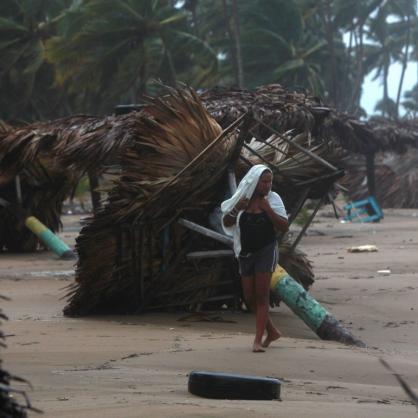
{"type": "Point", "coordinates": [210, 254]}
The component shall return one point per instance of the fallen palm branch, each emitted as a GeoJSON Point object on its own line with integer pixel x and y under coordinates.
{"type": "Point", "coordinates": [9, 406]}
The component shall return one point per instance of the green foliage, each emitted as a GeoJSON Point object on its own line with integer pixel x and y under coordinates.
{"type": "Point", "coordinates": [26, 78]}
{"type": "Point", "coordinates": [113, 50]}
{"type": "Point", "coordinates": [68, 56]}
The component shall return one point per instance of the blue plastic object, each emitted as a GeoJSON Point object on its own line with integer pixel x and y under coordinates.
{"type": "Point", "coordinates": [365, 210]}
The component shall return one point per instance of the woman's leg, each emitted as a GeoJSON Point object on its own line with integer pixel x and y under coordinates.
{"type": "Point", "coordinates": [248, 290]}
{"type": "Point", "coordinates": [263, 320]}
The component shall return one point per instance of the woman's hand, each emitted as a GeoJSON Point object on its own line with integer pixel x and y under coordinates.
{"type": "Point", "coordinates": [264, 205]}
{"type": "Point", "coordinates": [279, 223]}
{"type": "Point", "coordinates": [242, 204]}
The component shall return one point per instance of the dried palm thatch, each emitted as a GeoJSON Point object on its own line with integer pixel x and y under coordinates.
{"type": "Point", "coordinates": [9, 406]}
{"type": "Point", "coordinates": [51, 158]}
{"type": "Point", "coordinates": [396, 177]}
{"type": "Point", "coordinates": [132, 255]}
{"type": "Point", "coordinates": [396, 136]}
{"type": "Point", "coordinates": [171, 167]}
{"type": "Point", "coordinates": [299, 112]}
{"type": "Point", "coordinates": [138, 219]}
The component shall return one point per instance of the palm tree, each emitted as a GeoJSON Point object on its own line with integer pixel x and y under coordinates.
{"type": "Point", "coordinates": [353, 17]}
{"type": "Point", "coordinates": [112, 50]}
{"type": "Point", "coordinates": [391, 41]}
{"type": "Point", "coordinates": [26, 78]}
{"type": "Point", "coordinates": [411, 102]}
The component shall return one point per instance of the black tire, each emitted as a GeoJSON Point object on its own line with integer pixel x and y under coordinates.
{"type": "Point", "coordinates": [233, 386]}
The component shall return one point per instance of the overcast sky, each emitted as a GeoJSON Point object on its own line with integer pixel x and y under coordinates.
{"type": "Point", "coordinates": [373, 90]}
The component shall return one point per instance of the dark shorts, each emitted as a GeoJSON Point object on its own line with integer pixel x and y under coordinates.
{"type": "Point", "coordinates": [262, 261]}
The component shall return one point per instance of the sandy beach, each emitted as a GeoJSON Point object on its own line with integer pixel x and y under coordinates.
{"type": "Point", "coordinates": [138, 366]}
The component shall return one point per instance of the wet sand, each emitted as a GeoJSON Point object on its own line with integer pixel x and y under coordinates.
{"type": "Point", "coordinates": [137, 366]}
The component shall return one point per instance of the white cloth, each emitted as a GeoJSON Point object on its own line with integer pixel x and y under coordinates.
{"type": "Point", "coordinates": [246, 189]}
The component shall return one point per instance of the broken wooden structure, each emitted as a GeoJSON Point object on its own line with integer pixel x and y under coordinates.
{"type": "Point", "coordinates": [391, 172]}
{"type": "Point", "coordinates": [156, 243]}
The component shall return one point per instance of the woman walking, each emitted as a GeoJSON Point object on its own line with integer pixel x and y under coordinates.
{"type": "Point", "coordinates": [252, 216]}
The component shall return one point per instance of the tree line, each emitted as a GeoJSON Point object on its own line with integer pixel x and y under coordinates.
{"type": "Point", "coordinates": [61, 57]}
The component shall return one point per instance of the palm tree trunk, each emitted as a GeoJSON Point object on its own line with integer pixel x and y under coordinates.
{"type": "Point", "coordinates": [355, 98]}
{"type": "Point", "coordinates": [142, 90]}
{"type": "Point", "coordinates": [385, 110]}
{"type": "Point", "coordinates": [404, 64]}
{"type": "Point", "coordinates": [232, 42]}
{"type": "Point", "coordinates": [326, 13]}
{"type": "Point", "coordinates": [237, 40]}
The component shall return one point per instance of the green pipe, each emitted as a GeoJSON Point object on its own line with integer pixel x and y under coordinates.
{"type": "Point", "coordinates": [49, 238]}
{"type": "Point", "coordinates": [309, 310]}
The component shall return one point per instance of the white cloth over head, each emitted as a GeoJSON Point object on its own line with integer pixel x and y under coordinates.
{"type": "Point", "coordinates": [245, 190]}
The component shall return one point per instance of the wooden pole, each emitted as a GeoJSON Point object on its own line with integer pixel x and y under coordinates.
{"type": "Point", "coordinates": [305, 227]}
{"type": "Point", "coordinates": [299, 147]}
{"type": "Point", "coordinates": [206, 232]}
{"type": "Point", "coordinates": [18, 189]}
{"type": "Point", "coordinates": [232, 181]}
{"type": "Point", "coordinates": [95, 195]}
{"type": "Point", "coordinates": [370, 169]}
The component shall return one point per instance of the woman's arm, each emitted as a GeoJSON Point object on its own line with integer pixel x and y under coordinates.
{"type": "Point", "coordinates": [230, 218]}
{"type": "Point", "coordinates": [278, 221]}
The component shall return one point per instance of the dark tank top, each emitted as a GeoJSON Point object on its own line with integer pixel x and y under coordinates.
{"type": "Point", "coordinates": [257, 231]}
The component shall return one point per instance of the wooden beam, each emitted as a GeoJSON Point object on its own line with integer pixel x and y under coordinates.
{"type": "Point", "coordinates": [232, 181]}
{"type": "Point", "coordinates": [309, 221]}
{"type": "Point", "coordinates": [371, 182]}
{"type": "Point", "coordinates": [210, 254]}
{"type": "Point", "coordinates": [206, 232]}
{"type": "Point", "coordinates": [299, 147]}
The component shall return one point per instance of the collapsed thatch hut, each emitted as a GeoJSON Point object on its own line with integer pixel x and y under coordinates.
{"type": "Point", "coordinates": [391, 172]}
{"type": "Point", "coordinates": [169, 161]}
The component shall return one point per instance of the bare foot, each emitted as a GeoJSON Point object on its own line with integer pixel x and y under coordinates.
{"type": "Point", "coordinates": [273, 336]}
{"type": "Point", "coordinates": [257, 348]}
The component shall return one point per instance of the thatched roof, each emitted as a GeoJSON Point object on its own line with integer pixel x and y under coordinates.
{"type": "Point", "coordinates": [396, 136]}
{"type": "Point", "coordinates": [286, 110]}
{"type": "Point", "coordinates": [132, 253]}
{"type": "Point", "coordinates": [396, 178]}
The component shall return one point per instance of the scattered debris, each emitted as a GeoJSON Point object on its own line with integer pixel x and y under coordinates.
{"type": "Point", "coordinates": [363, 249]}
